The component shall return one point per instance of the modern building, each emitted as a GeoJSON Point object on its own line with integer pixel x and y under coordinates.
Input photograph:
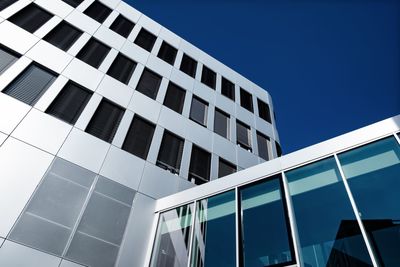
{"type": "Point", "coordinates": [102, 112]}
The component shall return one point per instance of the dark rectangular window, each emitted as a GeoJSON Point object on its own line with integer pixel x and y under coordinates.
{"type": "Point", "coordinates": [31, 17]}
{"type": "Point", "coordinates": [246, 100]}
{"type": "Point", "coordinates": [170, 154]}
{"type": "Point", "coordinates": [6, 3]}
{"type": "Point", "coordinates": [225, 168]}
{"type": "Point", "coordinates": [93, 53]}
{"type": "Point", "coordinates": [175, 97]}
{"type": "Point", "coordinates": [73, 3]}
{"type": "Point", "coordinates": [278, 149]}
{"type": "Point", "coordinates": [264, 146]}
{"type": "Point", "coordinates": [122, 68]}
{"type": "Point", "coordinates": [263, 111]}
{"type": "Point", "coordinates": [122, 26]}
{"type": "Point", "coordinates": [31, 84]}
{"type": "Point", "coordinates": [7, 58]}
{"type": "Point", "coordinates": [221, 123]}
{"type": "Point", "coordinates": [243, 134]}
{"type": "Point", "coordinates": [167, 53]}
{"type": "Point", "coordinates": [200, 165]}
{"type": "Point", "coordinates": [208, 77]}
{"type": "Point", "coordinates": [199, 111]}
{"type": "Point", "coordinates": [63, 36]}
{"type": "Point", "coordinates": [145, 39]}
{"type": "Point", "coordinates": [98, 11]}
{"type": "Point", "coordinates": [105, 121]}
{"type": "Point", "coordinates": [228, 89]}
{"type": "Point", "coordinates": [188, 65]}
{"type": "Point", "coordinates": [69, 103]}
{"type": "Point", "coordinates": [138, 139]}
{"type": "Point", "coordinates": [149, 83]}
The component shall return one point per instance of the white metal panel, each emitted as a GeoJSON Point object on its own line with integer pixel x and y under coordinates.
{"type": "Point", "coordinates": [20, 40]}
{"type": "Point", "coordinates": [12, 112]}
{"type": "Point", "coordinates": [15, 255]}
{"type": "Point", "coordinates": [182, 79]}
{"type": "Point", "coordinates": [14, 8]}
{"type": "Point", "coordinates": [42, 131]}
{"type": "Point", "coordinates": [83, 22]}
{"type": "Point", "coordinates": [47, 27]}
{"type": "Point", "coordinates": [198, 134]}
{"type": "Point", "coordinates": [65, 263]}
{"type": "Point", "coordinates": [85, 150]}
{"type": "Point", "coordinates": [224, 148]}
{"type": "Point", "coordinates": [135, 52]}
{"type": "Point", "coordinates": [128, 11]}
{"type": "Point", "coordinates": [159, 66]}
{"type": "Point", "coordinates": [246, 159]}
{"type": "Point", "coordinates": [21, 168]}
{"type": "Point", "coordinates": [123, 167]}
{"type": "Point", "coordinates": [225, 104]}
{"type": "Point", "coordinates": [49, 56]}
{"type": "Point", "coordinates": [56, 7]}
{"type": "Point", "coordinates": [115, 91]}
{"type": "Point", "coordinates": [168, 117]}
{"type": "Point", "coordinates": [149, 24]}
{"type": "Point", "coordinates": [111, 3]}
{"type": "Point", "coordinates": [109, 37]}
{"type": "Point", "coordinates": [145, 106]}
{"type": "Point", "coordinates": [108, 60]}
{"type": "Point", "coordinates": [3, 137]}
{"type": "Point", "coordinates": [170, 37]}
{"type": "Point", "coordinates": [204, 92]}
{"type": "Point", "coordinates": [123, 128]}
{"type": "Point", "coordinates": [51, 93]}
{"type": "Point", "coordinates": [88, 112]}
{"type": "Point", "coordinates": [84, 74]}
{"type": "Point", "coordinates": [245, 116]}
{"type": "Point", "coordinates": [138, 233]}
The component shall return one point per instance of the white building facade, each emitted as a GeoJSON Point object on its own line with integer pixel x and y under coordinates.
{"type": "Point", "coordinates": [102, 112]}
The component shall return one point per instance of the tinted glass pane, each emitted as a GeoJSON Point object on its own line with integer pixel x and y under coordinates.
{"type": "Point", "coordinates": [122, 26]}
{"type": "Point", "coordinates": [264, 146]}
{"type": "Point", "coordinates": [6, 3]}
{"type": "Point", "coordinates": [31, 18]}
{"type": "Point", "coordinates": [167, 53]}
{"type": "Point", "coordinates": [278, 149]}
{"type": "Point", "coordinates": [188, 65]}
{"type": "Point", "coordinates": [221, 123]}
{"type": "Point", "coordinates": [105, 121]}
{"type": "Point", "coordinates": [7, 58]}
{"type": "Point", "coordinates": [200, 165]}
{"type": "Point", "coordinates": [93, 53]}
{"type": "Point", "coordinates": [225, 168]}
{"type": "Point", "coordinates": [170, 154]}
{"type": "Point", "coordinates": [138, 139]}
{"type": "Point", "coordinates": [145, 40]}
{"type": "Point", "coordinates": [214, 243]}
{"type": "Point", "coordinates": [228, 89]}
{"type": "Point", "coordinates": [63, 36]}
{"type": "Point", "coordinates": [175, 97]}
{"type": "Point", "coordinates": [246, 100]}
{"type": "Point", "coordinates": [73, 3]}
{"type": "Point", "coordinates": [171, 247]}
{"type": "Point", "coordinates": [373, 176]}
{"type": "Point", "coordinates": [265, 233]}
{"type": "Point", "coordinates": [122, 68]}
{"type": "Point", "coordinates": [243, 134]}
{"type": "Point", "coordinates": [263, 111]}
{"type": "Point", "coordinates": [149, 83]}
{"type": "Point", "coordinates": [98, 11]}
{"type": "Point", "coordinates": [208, 77]}
{"type": "Point", "coordinates": [198, 111]}
{"type": "Point", "coordinates": [30, 85]}
{"type": "Point", "coordinates": [69, 103]}
{"type": "Point", "coordinates": [327, 227]}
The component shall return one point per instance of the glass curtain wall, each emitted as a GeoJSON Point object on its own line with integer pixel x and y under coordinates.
{"type": "Point", "coordinates": [373, 175]}
{"type": "Point", "coordinates": [328, 231]}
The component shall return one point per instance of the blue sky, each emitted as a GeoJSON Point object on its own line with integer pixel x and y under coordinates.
{"type": "Point", "coordinates": [330, 66]}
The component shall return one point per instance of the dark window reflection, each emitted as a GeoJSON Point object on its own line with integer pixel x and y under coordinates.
{"type": "Point", "coordinates": [327, 228]}
{"type": "Point", "coordinates": [373, 174]}
{"type": "Point", "coordinates": [265, 232]}
{"type": "Point", "coordinates": [214, 242]}
{"type": "Point", "coordinates": [171, 247]}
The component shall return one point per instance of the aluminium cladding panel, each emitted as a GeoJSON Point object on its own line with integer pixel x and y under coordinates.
{"type": "Point", "coordinates": [21, 168]}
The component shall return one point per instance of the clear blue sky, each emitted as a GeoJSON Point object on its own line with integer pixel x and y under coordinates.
{"type": "Point", "coordinates": [330, 66]}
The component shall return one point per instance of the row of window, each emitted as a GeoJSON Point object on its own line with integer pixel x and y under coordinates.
{"type": "Point", "coordinates": [31, 84]}
{"type": "Point", "coordinates": [94, 52]}
{"type": "Point", "coordinates": [340, 206]}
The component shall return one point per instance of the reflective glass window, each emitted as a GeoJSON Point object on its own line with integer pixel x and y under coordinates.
{"type": "Point", "coordinates": [225, 168]}
{"type": "Point", "coordinates": [145, 39]}
{"type": "Point", "coordinates": [221, 123]}
{"type": "Point", "coordinates": [227, 88]}
{"type": "Point", "coordinates": [264, 146]}
{"type": "Point", "coordinates": [98, 11]}
{"type": "Point", "coordinates": [122, 68]}
{"type": "Point", "coordinates": [149, 83]}
{"type": "Point", "coordinates": [31, 17]}
{"type": "Point", "coordinates": [170, 154]}
{"type": "Point", "coordinates": [171, 247]}
{"type": "Point", "coordinates": [265, 238]}
{"type": "Point", "coordinates": [122, 26]}
{"type": "Point", "coordinates": [243, 135]}
{"type": "Point", "coordinates": [208, 77]}
{"type": "Point", "coordinates": [167, 53]}
{"type": "Point", "coordinates": [6, 3]}
{"type": "Point", "coordinates": [200, 165]}
{"type": "Point", "coordinates": [93, 53]}
{"type": "Point", "coordinates": [328, 231]}
{"type": "Point", "coordinates": [373, 174]}
{"type": "Point", "coordinates": [188, 65]}
{"type": "Point", "coordinates": [63, 36]}
{"type": "Point", "coordinates": [7, 58]}
{"type": "Point", "coordinates": [246, 100]}
{"type": "Point", "coordinates": [214, 243]}
{"type": "Point", "coordinates": [175, 97]}
{"type": "Point", "coordinates": [199, 111]}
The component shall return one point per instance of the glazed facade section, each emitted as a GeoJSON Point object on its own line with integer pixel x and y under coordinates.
{"type": "Point", "coordinates": [341, 210]}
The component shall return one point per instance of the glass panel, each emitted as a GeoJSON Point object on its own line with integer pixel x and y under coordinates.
{"type": "Point", "coordinates": [167, 53]}
{"type": "Point", "coordinates": [225, 168]}
{"type": "Point", "coordinates": [228, 89]}
{"type": "Point", "coordinates": [93, 53]}
{"type": "Point", "coordinates": [98, 11]}
{"type": "Point", "coordinates": [31, 17]}
{"type": "Point", "coordinates": [198, 111]}
{"type": "Point", "coordinates": [265, 232]}
{"type": "Point", "coordinates": [122, 68]}
{"type": "Point", "coordinates": [122, 26]}
{"type": "Point", "coordinates": [145, 40]}
{"type": "Point", "coordinates": [63, 36]}
{"type": "Point", "coordinates": [328, 230]}
{"type": "Point", "coordinates": [263, 146]}
{"type": "Point", "coordinates": [170, 154]}
{"type": "Point", "coordinates": [188, 65]}
{"type": "Point", "coordinates": [243, 133]}
{"type": "Point", "coordinates": [373, 176]}
{"type": "Point", "coordinates": [7, 58]}
{"type": "Point", "coordinates": [246, 100]}
{"type": "Point", "coordinates": [149, 83]}
{"type": "Point", "coordinates": [221, 123]}
{"type": "Point", "coordinates": [175, 97]}
{"type": "Point", "coordinates": [215, 222]}
{"type": "Point", "coordinates": [171, 247]}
